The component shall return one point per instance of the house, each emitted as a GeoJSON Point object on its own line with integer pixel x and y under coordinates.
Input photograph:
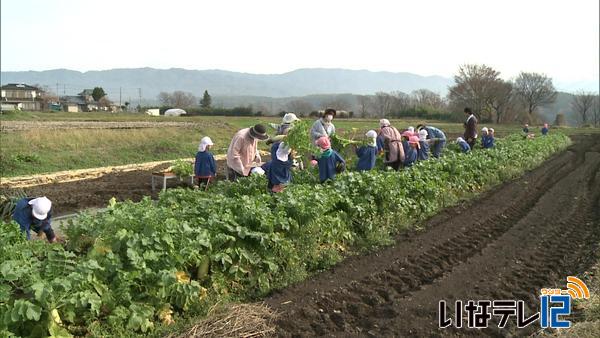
{"type": "Point", "coordinates": [84, 102]}
{"type": "Point", "coordinates": [18, 96]}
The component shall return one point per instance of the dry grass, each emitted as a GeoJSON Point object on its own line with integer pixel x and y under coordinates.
{"type": "Point", "coordinates": [234, 320]}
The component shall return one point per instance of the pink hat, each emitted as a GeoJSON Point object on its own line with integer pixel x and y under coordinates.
{"type": "Point", "coordinates": [545, 125]}
{"type": "Point", "coordinates": [323, 142]}
{"type": "Point", "coordinates": [414, 140]}
{"type": "Point", "coordinates": [407, 134]}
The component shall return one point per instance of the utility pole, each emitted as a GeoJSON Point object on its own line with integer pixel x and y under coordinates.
{"type": "Point", "coordinates": [57, 94]}
{"type": "Point", "coordinates": [140, 98]}
{"type": "Point", "coordinates": [119, 97]}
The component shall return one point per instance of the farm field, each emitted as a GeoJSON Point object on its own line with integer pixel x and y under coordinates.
{"type": "Point", "coordinates": [254, 243]}
{"type": "Point", "coordinates": [60, 141]}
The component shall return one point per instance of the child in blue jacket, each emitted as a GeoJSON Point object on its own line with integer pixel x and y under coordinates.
{"type": "Point", "coordinates": [329, 161]}
{"type": "Point", "coordinates": [278, 170]}
{"type": "Point", "coordinates": [487, 139]}
{"type": "Point", "coordinates": [464, 146]}
{"type": "Point", "coordinates": [411, 150]}
{"type": "Point", "coordinates": [367, 154]}
{"type": "Point", "coordinates": [205, 165]}
{"type": "Point", "coordinates": [423, 145]}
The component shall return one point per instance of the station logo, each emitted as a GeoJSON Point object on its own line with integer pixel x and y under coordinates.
{"type": "Point", "coordinates": [554, 305]}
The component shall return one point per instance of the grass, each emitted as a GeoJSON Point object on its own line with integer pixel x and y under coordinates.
{"type": "Point", "coordinates": [35, 152]}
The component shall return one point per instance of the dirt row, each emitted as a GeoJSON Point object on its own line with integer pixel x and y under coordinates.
{"type": "Point", "coordinates": [507, 244]}
{"type": "Point", "coordinates": [96, 188]}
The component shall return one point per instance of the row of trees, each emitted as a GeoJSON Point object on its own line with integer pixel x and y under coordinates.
{"type": "Point", "coordinates": [494, 99]}
{"type": "Point", "coordinates": [181, 99]}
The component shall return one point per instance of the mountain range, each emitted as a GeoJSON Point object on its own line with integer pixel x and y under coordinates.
{"type": "Point", "coordinates": [225, 83]}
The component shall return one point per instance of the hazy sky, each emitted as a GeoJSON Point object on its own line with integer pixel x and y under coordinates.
{"type": "Point", "coordinates": [559, 38]}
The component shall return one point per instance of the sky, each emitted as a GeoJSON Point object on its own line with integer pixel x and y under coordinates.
{"type": "Point", "coordinates": [427, 37]}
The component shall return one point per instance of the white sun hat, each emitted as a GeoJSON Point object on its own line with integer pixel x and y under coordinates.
{"type": "Point", "coordinates": [290, 117]}
{"type": "Point", "coordinates": [205, 141]}
{"type": "Point", "coordinates": [40, 207]}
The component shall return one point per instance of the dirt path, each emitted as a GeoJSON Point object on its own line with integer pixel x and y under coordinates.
{"type": "Point", "coordinates": [7, 126]}
{"type": "Point", "coordinates": [507, 244]}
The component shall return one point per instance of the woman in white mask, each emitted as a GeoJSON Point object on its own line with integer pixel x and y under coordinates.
{"type": "Point", "coordinates": [323, 126]}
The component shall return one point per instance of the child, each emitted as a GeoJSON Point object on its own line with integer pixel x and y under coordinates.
{"type": "Point", "coordinates": [464, 146]}
{"type": "Point", "coordinates": [278, 170]}
{"type": "Point", "coordinates": [411, 150]}
{"type": "Point", "coordinates": [487, 140]}
{"type": "Point", "coordinates": [545, 129]}
{"type": "Point", "coordinates": [367, 154]}
{"type": "Point", "coordinates": [328, 160]}
{"type": "Point", "coordinates": [205, 166]}
{"type": "Point", "coordinates": [423, 145]}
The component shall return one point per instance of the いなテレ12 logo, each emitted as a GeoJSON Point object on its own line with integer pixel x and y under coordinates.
{"type": "Point", "coordinates": [555, 303]}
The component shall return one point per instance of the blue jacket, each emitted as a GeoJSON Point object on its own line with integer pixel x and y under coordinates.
{"type": "Point", "coordinates": [380, 142]}
{"type": "Point", "coordinates": [433, 132]}
{"type": "Point", "coordinates": [487, 141]}
{"type": "Point", "coordinates": [23, 216]}
{"type": "Point", "coordinates": [327, 163]}
{"type": "Point", "coordinates": [367, 155]}
{"type": "Point", "coordinates": [279, 172]}
{"type": "Point", "coordinates": [423, 153]}
{"type": "Point", "coordinates": [464, 146]}
{"type": "Point", "coordinates": [410, 154]}
{"type": "Point", "coordinates": [205, 164]}
{"type": "Point", "coordinates": [526, 130]}
{"type": "Point", "coordinates": [544, 131]}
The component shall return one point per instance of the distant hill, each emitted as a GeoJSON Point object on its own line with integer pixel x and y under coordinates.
{"type": "Point", "coordinates": [224, 83]}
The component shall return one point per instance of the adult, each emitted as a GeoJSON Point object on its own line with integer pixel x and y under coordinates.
{"type": "Point", "coordinates": [35, 214]}
{"type": "Point", "coordinates": [526, 129]}
{"type": "Point", "coordinates": [243, 151]}
{"type": "Point", "coordinates": [390, 142]}
{"type": "Point", "coordinates": [436, 138]}
{"type": "Point", "coordinates": [323, 126]}
{"type": "Point", "coordinates": [470, 134]}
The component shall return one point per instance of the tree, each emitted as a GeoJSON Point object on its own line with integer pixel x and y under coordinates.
{"type": "Point", "coordinates": [383, 103]}
{"type": "Point", "coordinates": [596, 110]}
{"type": "Point", "coordinates": [502, 98]}
{"type": "Point", "coordinates": [164, 98]}
{"type": "Point", "coordinates": [583, 104]}
{"type": "Point", "coordinates": [98, 93]}
{"type": "Point", "coordinates": [534, 90]}
{"type": "Point", "coordinates": [180, 99]}
{"type": "Point", "coordinates": [104, 102]}
{"type": "Point", "coordinates": [474, 88]}
{"type": "Point", "coordinates": [206, 100]}
{"type": "Point", "coordinates": [401, 102]}
{"type": "Point", "coordinates": [425, 98]}
{"type": "Point", "coordinates": [365, 102]}
{"type": "Point", "coordinates": [560, 120]}
{"type": "Point", "coordinates": [300, 107]}
{"type": "Point", "coordinates": [337, 103]}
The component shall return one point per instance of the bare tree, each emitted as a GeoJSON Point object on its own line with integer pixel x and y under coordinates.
{"type": "Point", "coordinates": [299, 106]}
{"type": "Point", "coordinates": [502, 99]}
{"type": "Point", "coordinates": [104, 102]}
{"type": "Point", "coordinates": [474, 87]}
{"type": "Point", "coordinates": [183, 99]}
{"type": "Point", "coordinates": [401, 102]}
{"type": "Point", "coordinates": [583, 104]}
{"type": "Point", "coordinates": [165, 99]}
{"type": "Point", "coordinates": [383, 103]}
{"type": "Point", "coordinates": [427, 99]}
{"type": "Point", "coordinates": [596, 110]}
{"type": "Point", "coordinates": [535, 90]}
{"type": "Point", "coordinates": [337, 103]}
{"type": "Point", "coordinates": [365, 102]}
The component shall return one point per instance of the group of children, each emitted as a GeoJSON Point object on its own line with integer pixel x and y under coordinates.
{"type": "Point", "coordinates": [415, 145]}
{"type": "Point", "coordinates": [487, 140]}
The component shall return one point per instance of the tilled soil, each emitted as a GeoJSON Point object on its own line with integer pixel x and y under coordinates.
{"type": "Point", "coordinates": [70, 197]}
{"type": "Point", "coordinates": [507, 244]}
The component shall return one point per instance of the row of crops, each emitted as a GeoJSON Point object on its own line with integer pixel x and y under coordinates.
{"type": "Point", "coordinates": [145, 267]}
